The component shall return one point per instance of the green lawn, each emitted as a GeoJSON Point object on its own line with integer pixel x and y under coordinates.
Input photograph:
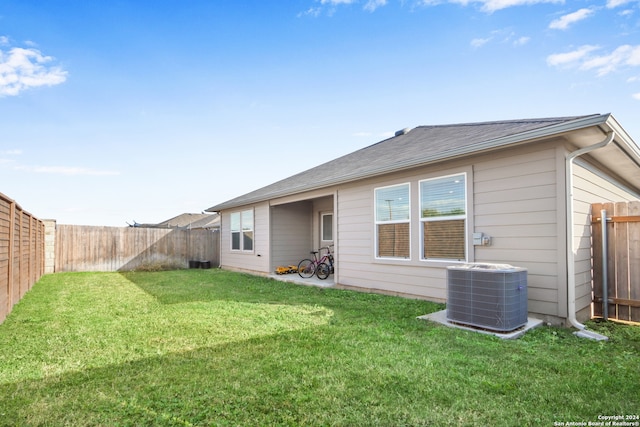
{"type": "Point", "coordinates": [209, 347]}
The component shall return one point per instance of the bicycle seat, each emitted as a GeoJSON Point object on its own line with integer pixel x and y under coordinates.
{"type": "Point", "coordinates": [313, 252]}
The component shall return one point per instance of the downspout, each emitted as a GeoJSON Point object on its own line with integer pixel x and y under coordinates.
{"type": "Point", "coordinates": [571, 272]}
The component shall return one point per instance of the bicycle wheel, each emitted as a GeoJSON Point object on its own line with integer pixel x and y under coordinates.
{"type": "Point", "coordinates": [323, 270]}
{"type": "Point", "coordinates": [306, 268]}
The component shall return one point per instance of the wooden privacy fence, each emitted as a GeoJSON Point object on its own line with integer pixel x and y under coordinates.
{"type": "Point", "coordinates": [90, 248]}
{"type": "Point", "coordinates": [21, 253]}
{"type": "Point", "coordinates": [616, 264]}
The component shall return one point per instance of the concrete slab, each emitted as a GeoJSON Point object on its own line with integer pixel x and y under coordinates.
{"type": "Point", "coordinates": [441, 318]}
{"type": "Point", "coordinates": [311, 281]}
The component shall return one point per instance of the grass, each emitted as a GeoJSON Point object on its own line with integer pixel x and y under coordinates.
{"type": "Point", "coordinates": [209, 347]}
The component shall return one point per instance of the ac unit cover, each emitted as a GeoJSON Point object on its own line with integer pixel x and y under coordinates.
{"type": "Point", "coordinates": [488, 296]}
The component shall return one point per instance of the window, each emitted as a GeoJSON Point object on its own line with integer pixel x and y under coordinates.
{"type": "Point", "coordinates": [392, 221]}
{"type": "Point", "coordinates": [443, 215]}
{"type": "Point", "coordinates": [235, 231]}
{"type": "Point", "coordinates": [327, 227]}
{"type": "Point", "coordinates": [247, 230]}
{"type": "Point", "coordinates": [242, 231]}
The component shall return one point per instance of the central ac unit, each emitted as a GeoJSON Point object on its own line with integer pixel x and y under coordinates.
{"type": "Point", "coordinates": [488, 296]}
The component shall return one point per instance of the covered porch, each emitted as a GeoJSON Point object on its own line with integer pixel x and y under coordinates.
{"type": "Point", "coordinates": [297, 228]}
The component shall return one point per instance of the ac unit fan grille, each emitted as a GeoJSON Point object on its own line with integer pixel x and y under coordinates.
{"type": "Point", "coordinates": [494, 299]}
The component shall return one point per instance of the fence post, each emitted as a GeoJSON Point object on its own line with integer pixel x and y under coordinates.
{"type": "Point", "coordinates": [49, 245]}
{"type": "Point", "coordinates": [605, 271]}
{"type": "Point", "coordinates": [12, 219]}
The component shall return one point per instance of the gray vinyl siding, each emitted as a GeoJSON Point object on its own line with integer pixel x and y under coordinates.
{"type": "Point", "coordinates": [257, 260]}
{"type": "Point", "coordinates": [357, 264]}
{"type": "Point", "coordinates": [590, 187]}
{"type": "Point", "coordinates": [514, 199]}
{"type": "Point", "coordinates": [516, 203]}
{"type": "Point", "coordinates": [291, 233]}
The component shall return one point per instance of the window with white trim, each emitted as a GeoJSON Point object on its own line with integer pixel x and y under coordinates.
{"type": "Point", "coordinates": [326, 226]}
{"type": "Point", "coordinates": [443, 217]}
{"type": "Point", "coordinates": [393, 221]}
{"type": "Point", "coordinates": [241, 230]}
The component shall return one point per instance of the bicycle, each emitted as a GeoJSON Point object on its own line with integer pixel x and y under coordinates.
{"type": "Point", "coordinates": [322, 267]}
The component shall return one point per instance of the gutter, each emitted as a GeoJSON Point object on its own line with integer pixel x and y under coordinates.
{"type": "Point", "coordinates": [571, 273]}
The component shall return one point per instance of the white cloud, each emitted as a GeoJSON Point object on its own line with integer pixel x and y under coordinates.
{"type": "Point", "coordinates": [565, 21]}
{"type": "Point", "coordinates": [583, 58]}
{"type": "Point", "coordinates": [329, 7]}
{"type": "Point", "coordinates": [490, 6]}
{"type": "Point", "coordinates": [495, 5]}
{"type": "Point", "coordinates": [569, 58]}
{"type": "Point", "coordinates": [65, 170]}
{"type": "Point", "coordinates": [5, 158]}
{"type": "Point", "coordinates": [374, 4]}
{"type": "Point", "coordinates": [480, 42]}
{"type": "Point", "coordinates": [21, 69]}
{"type": "Point", "coordinates": [605, 64]}
{"type": "Point", "coordinates": [312, 11]}
{"type": "Point", "coordinates": [634, 56]}
{"type": "Point", "coordinates": [4, 41]}
{"type": "Point", "coordinates": [336, 2]}
{"type": "Point", "coordinates": [505, 36]}
{"type": "Point", "coordinates": [636, 96]}
{"type": "Point", "coordinates": [521, 41]}
{"type": "Point", "coordinates": [615, 3]}
{"type": "Point", "coordinates": [370, 5]}
{"type": "Point", "coordinates": [10, 152]}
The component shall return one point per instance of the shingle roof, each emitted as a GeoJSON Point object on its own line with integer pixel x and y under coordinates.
{"type": "Point", "coordinates": [187, 220]}
{"type": "Point", "coordinates": [419, 146]}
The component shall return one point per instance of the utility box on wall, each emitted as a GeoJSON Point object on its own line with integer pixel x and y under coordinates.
{"type": "Point", "coordinates": [489, 296]}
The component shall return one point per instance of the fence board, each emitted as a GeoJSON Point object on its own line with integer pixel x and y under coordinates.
{"type": "Point", "coordinates": [21, 253]}
{"type": "Point", "coordinates": [90, 248]}
{"type": "Point", "coordinates": [623, 274]}
{"type": "Point", "coordinates": [634, 260]}
{"type": "Point", "coordinates": [596, 253]}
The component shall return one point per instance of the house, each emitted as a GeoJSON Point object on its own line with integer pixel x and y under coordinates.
{"type": "Point", "coordinates": [191, 221]}
{"type": "Point", "coordinates": [400, 211]}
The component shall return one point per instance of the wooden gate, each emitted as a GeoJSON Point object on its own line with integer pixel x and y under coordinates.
{"type": "Point", "coordinates": [621, 260]}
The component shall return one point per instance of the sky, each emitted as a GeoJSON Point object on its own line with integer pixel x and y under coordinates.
{"type": "Point", "coordinates": [119, 111]}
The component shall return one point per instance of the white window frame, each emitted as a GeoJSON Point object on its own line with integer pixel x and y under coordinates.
{"type": "Point", "coordinates": [378, 221]}
{"type": "Point", "coordinates": [245, 226]}
{"type": "Point", "coordinates": [464, 217]}
{"type": "Point", "coordinates": [322, 229]}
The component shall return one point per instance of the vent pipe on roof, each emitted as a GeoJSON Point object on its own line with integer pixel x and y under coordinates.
{"type": "Point", "coordinates": [402, 131]}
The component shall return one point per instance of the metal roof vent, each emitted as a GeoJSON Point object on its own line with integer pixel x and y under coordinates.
{"type": "Point", "coordinates": [403, 131]}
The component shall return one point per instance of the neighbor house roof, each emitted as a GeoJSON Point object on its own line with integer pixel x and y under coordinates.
{"type": "Point", "coordinates": [187, 220]}
{"type": "Point", "coordinates": [420, 146]}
